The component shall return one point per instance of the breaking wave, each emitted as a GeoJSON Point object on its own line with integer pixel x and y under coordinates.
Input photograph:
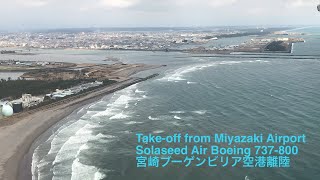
{"type": "Point", "coordinates": [178, 75]}
{"type": "Point", "coordinates": [176, 112]}
{"type": "Point", "coordinates": [153, 119]}
{"type": "Point", "coordinates": [63, 157]}
{"type": "Point", "coordinates": [200, 112]}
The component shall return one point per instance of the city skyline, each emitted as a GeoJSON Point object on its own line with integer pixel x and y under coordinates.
{"type": "Point", "coordinates": [51, 14]}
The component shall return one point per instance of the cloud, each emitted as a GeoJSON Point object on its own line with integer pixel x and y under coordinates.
{"type": "Point", "coordinates": [300, 3]}
{"type": "Point", "coordinates": [84, 13]}
{"type": "Point", "coordinates": [118, 3]}
{"type": "Point", "coordinates": [33, 3]}
{"type": "Point", "coordinates": [219, 3]}
{"type": "Point", "coordinates": [114, 5]}
{"type": "Point", "coordinates": [206, 3]}
{"type": "Point", "coordinates": [257, 11]}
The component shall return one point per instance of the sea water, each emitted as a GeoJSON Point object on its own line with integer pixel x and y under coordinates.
{"type": "Point", "coordinates": [195, 95]}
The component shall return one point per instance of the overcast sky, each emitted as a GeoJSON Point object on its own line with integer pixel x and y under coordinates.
{"type": "Point", "coordinates": [26, 14]}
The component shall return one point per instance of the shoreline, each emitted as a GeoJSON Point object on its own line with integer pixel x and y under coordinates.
{"type": "Point", "coordinates": [17, 135]}
{"type": "Point", "coordinates": [24, 169]}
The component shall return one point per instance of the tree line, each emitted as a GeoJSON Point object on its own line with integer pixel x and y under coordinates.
{"type": "Point", "coordinates": [14, 89]}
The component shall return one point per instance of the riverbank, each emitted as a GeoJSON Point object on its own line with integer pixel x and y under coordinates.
{"type": "Point", "coordinates": [19, 132]}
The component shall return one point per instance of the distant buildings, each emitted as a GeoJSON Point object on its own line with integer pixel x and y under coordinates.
{"type": "Point", "coordinates": [106, 40]}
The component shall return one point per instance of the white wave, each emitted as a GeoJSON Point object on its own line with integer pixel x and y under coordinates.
{"type": "Point", "coordinates": [92, 105]}
{"type": "Point", "coordinates": [61, 136]}
{"type": "Point", "coordinates": [178, 75]}
{"type": "Point", "coordinates": [108, 112]}
{"type": "Point", "coordinates": [122, 100]}
{"type": "Point", "coordinates": [191, 82]}
{"type": "Point", "coordinates": [70, 151]}
{"type": "Point", "coordinates": [72, 138]}
{"type": "Point", "coordinates": [91, 112]}
{"type": "Point", "coordinates": [34, 164]}
{"type": "Point", "coordinates": [133, 122]}
{"type": "Point", "coordinates": [175, 123]}
{"type": "Point", "coordinates": [177, 117]}
{"type": "Point", "coordinates": [78, 168]}
{"type": "Point", "coordinates": [119, 101]}
{"type": "Point", "coordinates": [100, 136]}
{"type": "Point", "coordinates": [81, 171]}
{"type": "Point", "coordinates": [177, 112]}
{"type": "Point", "coordinates": [74, 143]}
{"type": "Point", "coordinates": [80, 110]}
{"type": "Point", "coordinates": [218, 87]}
{"type": "Point", "coordinates": [157, 131]}
{"type": "Point", "coordinates": [153, 119]}
{"type": "Point", "coordinates": [119, 116]}
{"type": "Point", "coordinates": [139, 92]}
{"type": "Point", "coordinates": [56, 141]}
{"type": "Point", "coordinates": [179, 124]}
{"type": "Point", "coordinates": [83, 147]}
{"type": "Point", "coordinates": [201, 112]}
{"type": "Point", "coordinates": [259, 60]}
{"type": "Point", "coordinates": [98, 176]}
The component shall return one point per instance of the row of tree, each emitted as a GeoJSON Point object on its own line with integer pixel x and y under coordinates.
{"type": "Point", "coordinates": [10, 79]}
{"type": "Point", "coordinates": [15, 88]}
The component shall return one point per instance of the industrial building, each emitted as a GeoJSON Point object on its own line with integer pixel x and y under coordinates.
{"type": "Point", "coordinates": [27, 100]}
{"type": "Point", "coordinates": [74, 90]}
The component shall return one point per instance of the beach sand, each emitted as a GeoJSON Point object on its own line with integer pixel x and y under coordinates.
{"type": "Point", "coordinates": [19, 132]}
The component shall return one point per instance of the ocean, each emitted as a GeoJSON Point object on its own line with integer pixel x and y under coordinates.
{"type": "Point", "coordinates": [240, 95]}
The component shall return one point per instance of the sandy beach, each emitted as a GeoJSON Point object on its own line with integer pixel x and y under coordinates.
{"type": "Point", "coordinates": [19, 132]}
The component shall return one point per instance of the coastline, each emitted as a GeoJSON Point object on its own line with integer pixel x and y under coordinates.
{"type": "Point", "coordinates": [24, 169]}
{"type": "Point", "coordinates": [17, 135]}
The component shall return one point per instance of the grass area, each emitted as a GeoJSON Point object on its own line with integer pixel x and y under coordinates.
{"type": "Point", "coordinates": [15, 88]}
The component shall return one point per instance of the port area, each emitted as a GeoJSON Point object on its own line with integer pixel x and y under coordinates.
{"type": "Point", "coordinates": [46, 87]}
{"type": "Point", "coordinates": [254, 45]}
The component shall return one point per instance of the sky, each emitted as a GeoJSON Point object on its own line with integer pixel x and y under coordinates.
{"type": "Point", "coordinates": [48, 14]}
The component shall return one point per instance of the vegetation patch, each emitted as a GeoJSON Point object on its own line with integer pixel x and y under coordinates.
{"type": "Point", "coordinates": [15, 88]}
